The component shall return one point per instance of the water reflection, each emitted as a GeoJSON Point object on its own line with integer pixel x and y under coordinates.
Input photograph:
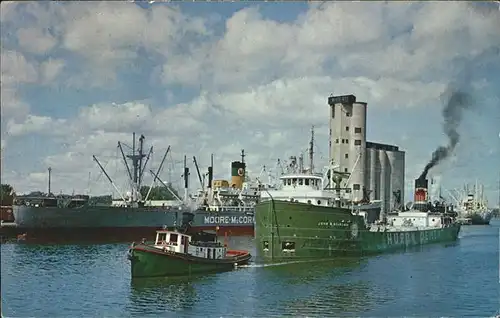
{"type": "Point", "coordinates": [332, 300]}
{"type": "Point", "coordinates": [308, 271]}
{"type": "Point", "coordinates": [312, 288]}
{"type": "Point", "coordinates": [160, 295]}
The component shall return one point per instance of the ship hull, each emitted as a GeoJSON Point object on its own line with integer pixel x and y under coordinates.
{"type": "Point", "coordinates": [91, 223]}
{"type": "Point", "coordinates": [480, 218]}
{"type": "Point", "coordinates": [231, 223]}
{"type": "Point", "coordinates": [147, 261]}
{"type": "Point", "coordinates": [306, 231]}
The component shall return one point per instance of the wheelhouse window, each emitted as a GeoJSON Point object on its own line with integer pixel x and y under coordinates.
{"type": "Point", "coordinates": [301, 181]}
{"type": "Point", "coordinates": [162, 237]}
{"type": "Point", "coordinates": [356, 187]}
{"type": "Point", "coordinates": [173, 238]}
{"type": "Point", "coordinates": [306, 182]}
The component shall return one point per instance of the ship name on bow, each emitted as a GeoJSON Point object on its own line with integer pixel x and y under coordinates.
{"type": "Point", "coordinates": [228, 219]}
{"type": "Point", "coordinates": [328, 224]}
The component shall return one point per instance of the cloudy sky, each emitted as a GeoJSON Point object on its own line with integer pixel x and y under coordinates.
{"type": "Point", "coordinates": [217, 77]}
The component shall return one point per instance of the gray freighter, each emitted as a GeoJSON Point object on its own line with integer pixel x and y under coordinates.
{"type": "Point", "coordinates": [57, 217]}
{"type": "Point", "coordinates": [227, 207]}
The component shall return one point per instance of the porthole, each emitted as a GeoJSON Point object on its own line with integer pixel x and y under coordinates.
{"type": "Point", "coordinates": [319, 202]}
{"type": "Point", "coordinates": [308, 201]}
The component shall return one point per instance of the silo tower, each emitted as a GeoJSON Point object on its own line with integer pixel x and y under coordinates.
{"type": "Point", "coordinates": [348, 140]}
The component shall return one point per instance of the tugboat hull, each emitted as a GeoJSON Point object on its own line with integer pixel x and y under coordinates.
{"type": "Point", "coordinates": [148, 261]}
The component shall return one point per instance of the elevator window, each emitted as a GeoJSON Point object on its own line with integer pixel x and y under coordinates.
{"type": "Point", "coordinates": [356, 187]}
{"type": "Point", "coordinates": [357, 130]}
{"type": "Point", "coordinates": [357, 142]}
{"type": "Point", "coordinates": [345, 169]}
{"type": "Point", "coordinates": [337, 141]}
{"type": "Point", "coordinates": [348, 114]}
{"type": "Point", "coordinates": [346, 128]}
{"type": "Point", "coordinates": [346, 155]}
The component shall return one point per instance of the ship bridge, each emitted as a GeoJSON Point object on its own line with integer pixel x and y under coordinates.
{"type": "Point", "coordinates": [302, 181]}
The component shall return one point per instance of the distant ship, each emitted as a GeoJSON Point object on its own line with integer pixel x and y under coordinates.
{"type": "Point", "coordinates": [49, 217]}
{"type": "Point", "coordinates": [472, 206]}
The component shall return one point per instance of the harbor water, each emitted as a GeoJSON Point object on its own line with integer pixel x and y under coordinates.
{"type": "Point", "coordinates": [459, 280]}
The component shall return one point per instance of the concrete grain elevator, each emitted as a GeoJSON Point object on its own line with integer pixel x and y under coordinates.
{"type": "Point", "coordinates": [375, 169]}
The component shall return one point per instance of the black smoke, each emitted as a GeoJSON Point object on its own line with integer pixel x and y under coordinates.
{"type": "Point", "coordinates": [452, 115]}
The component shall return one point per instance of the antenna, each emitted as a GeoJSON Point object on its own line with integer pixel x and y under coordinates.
{"type": "Point", "coordinates": [242, 155]}
{"type": "Point", "coordinates": [311, 151]}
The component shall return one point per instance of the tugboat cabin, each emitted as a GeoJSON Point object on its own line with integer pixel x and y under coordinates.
{"type": "Point", "coordinates": [175, 242]}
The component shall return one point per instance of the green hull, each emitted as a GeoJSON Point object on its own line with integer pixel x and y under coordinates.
{"type": "Point", "coordinates": [147, 261]}
{"type": "Point", "coordinates": [288, 231]}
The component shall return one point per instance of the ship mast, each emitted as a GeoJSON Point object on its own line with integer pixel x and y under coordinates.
{"type": "Point", "coordinates": [243, 161]}
{"type": "Point", "coordinates": [186, 179]}
{"type": "Point", "coordinates": [311, 152]}
{"type": "Point", "coordinates": [136, 162]}
{"type": "Point", "coordinates": [50, 171]}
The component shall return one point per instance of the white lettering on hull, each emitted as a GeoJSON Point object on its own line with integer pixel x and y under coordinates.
{"type": "Point", "coordinates": [228, 220]}
{"type": "Point", "coordinates": [410, 238]}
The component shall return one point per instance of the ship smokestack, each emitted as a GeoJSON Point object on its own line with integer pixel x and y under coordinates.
{"type": "Point", "coordinates": [237, 174]}
{"type": "Point", "coordinates": [421, 190]}
{"type": "Point", "coordinates": [421, 200]}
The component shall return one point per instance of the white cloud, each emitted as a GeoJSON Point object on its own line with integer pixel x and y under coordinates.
{"type": "Point", "coordinates": [35, 41]}
{"type": "Point", "coordinates": [16, 69]}
{"type": "Point", "coordinates": [50, 69]}
{"type": "Point", "coordinates": [261, 82]}
{"type": "Point", "coordinates": [35, 124]}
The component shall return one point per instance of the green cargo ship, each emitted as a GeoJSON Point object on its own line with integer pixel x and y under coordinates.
{"type": "Point", "coordinates": [303, 227]}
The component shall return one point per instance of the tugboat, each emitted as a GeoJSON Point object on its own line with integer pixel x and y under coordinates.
{"type": "Point", "coordinates": [177, 254]}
